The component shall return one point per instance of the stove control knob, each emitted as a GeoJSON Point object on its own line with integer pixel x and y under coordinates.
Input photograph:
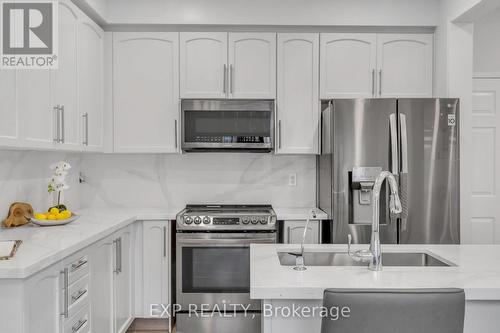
{"type": "Point", "coordinates": [188, 220]}
{"type": "Point", "coordinates": [245, 221]}
{"type": "Point", "coordinates": [254, 221]}
{"type": "Point", "coordinates": [263, 221]}
{"type": "Point", "coordinates": [197, 220]}
{"type": "Point", "coordinates": [206, 220]}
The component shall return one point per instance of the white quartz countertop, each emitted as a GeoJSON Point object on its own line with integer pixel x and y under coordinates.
{"type": "Point", "coordinates": [477, 271]}
{"type": "Point", "coordinates": [44, 246]}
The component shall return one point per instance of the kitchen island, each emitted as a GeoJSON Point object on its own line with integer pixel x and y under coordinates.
{"type": "Point", "coordinates": [474, 268]}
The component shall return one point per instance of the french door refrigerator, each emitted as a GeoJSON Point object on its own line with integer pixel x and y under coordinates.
{"type": "Point", "coordinates": [418, 141]}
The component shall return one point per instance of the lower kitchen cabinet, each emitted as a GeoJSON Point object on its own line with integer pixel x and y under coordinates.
{"type": "Point", "coordinates": [294, 230]}
{"type": "Point", "coordinates": [155, 265]}
{"type": "Point", "coordinates": [111, 282]}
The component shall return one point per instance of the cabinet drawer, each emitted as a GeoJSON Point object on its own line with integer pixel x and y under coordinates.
{"type": "Point", "coordinates": [78, 295]}
{"type": "Point", "coordinates": [79, 323]}
{"type": "Point", "coordinates": [78, 268]}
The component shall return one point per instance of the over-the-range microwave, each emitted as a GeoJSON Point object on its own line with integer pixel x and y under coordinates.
{"type": "Point", "coordinates": [211, 125]}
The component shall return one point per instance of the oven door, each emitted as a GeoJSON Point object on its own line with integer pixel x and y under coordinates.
{"type": "Point", "coordinates": [227, 125]}
{"type": "Point", "coordinates": [214, 268]}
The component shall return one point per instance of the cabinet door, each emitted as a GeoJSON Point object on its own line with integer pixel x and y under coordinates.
{"type": "Point", "coordinates": [155, 264]}
{"type": "Point", "coordinates": [123, 280]}
{"type": "Point", "coordinates": [298, 101]}
{"type": "Point", "coordinates": [101, 284]}
{"type": "Point", "coordinates": [294, 231]}
{"type": "Point", "coordinates": [38, 117]}
{"type": "Point", "coordinates": [252, 65]}
{"type": "Point", "coordinates": [64, 79]}
{"type": "Point", "coordinates": [348, 65]}
{"type": "Point", "coordinates": [43, 301]}
{"type": "Point", "coordinates": [90, 84]}
{"type": "Point", "coordinates": [9, 124]}
{"type": "Point", "coordinates": [405, 65]}
{"type": "Point", "coordinates": [146, 92]}
{"type": "Point", "coordinates": [203, 63]}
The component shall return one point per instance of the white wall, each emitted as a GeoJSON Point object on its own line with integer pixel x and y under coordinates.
{"type": "Point", "coordinates": [172, 181]}
{"type": "Point", "coordinates": [24, 176]}
{"type": "Point", "coordinates": [276, 12]}
{"type": "Point", "coordinates": [487, 44]}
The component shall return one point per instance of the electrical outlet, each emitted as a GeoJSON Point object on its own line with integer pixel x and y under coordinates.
{"type": "Point", "coordinates": [292, 179]}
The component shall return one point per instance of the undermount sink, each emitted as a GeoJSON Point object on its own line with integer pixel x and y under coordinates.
{"type": "Point", "coordinates": [343, 259]}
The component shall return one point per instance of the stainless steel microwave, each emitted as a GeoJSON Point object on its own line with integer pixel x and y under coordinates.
{"type": "Point", "coordinates": [227, 125]}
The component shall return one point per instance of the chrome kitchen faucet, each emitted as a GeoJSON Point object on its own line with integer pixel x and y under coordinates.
{"type": "Point", "coordinates": [374, 254]}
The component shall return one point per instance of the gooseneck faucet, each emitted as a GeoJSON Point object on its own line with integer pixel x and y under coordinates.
{"type": "Point", "coordinates": [299, 257]}
{"type": "Point", "coordinates": [374, 254]}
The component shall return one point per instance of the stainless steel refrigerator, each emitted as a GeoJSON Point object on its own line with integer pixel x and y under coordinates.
{"type": "Point", "coordinates": [417, 140]}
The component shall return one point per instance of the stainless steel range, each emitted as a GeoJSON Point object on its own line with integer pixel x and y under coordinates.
{"type": "Point", "coordinates": [213, 266]}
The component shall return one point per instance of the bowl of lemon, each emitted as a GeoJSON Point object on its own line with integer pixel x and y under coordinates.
{"type": "Point", "coordinates": [55, 216]}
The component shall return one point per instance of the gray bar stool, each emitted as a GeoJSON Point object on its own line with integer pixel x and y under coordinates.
{"type": "Point", "coordinates": [394, 311]}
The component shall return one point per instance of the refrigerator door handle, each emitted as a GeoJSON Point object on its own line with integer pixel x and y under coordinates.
{"type": "Point", "coordinates": [394, 144]}
{"type": "Point", "coordinates": [403, 176]}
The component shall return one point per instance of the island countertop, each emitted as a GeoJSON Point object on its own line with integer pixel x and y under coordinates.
{"type": "Point", "coordinates": [477, 271]}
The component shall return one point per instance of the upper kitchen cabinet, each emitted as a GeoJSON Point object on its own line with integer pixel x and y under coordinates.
{"type": "Point", "coordinates": [228, 65]}
{"type": "Point", "coordinates": [405, 65]}
{"type": "Point", "coordinates": [298, 105]}
{"type": "Point", "coordinates": [90, 84]}
{"type": "Point", "coordinates": [9, 126]}
{"type": "Point", "coordinates": [203, 63]}
{"type": "Point", "coordinates": [146, 91]}
{"type": "Point", "coordinates": [252, 65]}
{"type": "Point", "coordinates": [64, 81]}
{"type": "Point", "coordinates": [348, 65]}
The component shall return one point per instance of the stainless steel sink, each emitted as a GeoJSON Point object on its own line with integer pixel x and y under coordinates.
{"type": "Point", "coordinates": [343, 259]}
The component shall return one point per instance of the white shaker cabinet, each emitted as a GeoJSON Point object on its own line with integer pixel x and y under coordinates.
{"type": "Point", "coordinates": [293, 232]}
{"type": "Point", "coordinates": [90, 84]}
{"type": "Point", "coordinates": [348, 65]}
{"type": "Point", "coordinates": [64, 79]}
{"type": "Point", "coordinates": [203, 64]}
{"type": "Point", "coordinates": [298, 105]}
{"type": "Point", "coordinates": [146, 91]}
{"type": "Point", "coordinates": [9, 114]}
{"type": "Point", "coordinates": [43, 301]}
{"type": "Point", "coordinates": [405, 65]}
{"type": "Point", "coordinates": [155, 265]}
{"type": "Point", "coordinates": [123, 280]}
{"type": "Point", "coordinates": [252, 65]}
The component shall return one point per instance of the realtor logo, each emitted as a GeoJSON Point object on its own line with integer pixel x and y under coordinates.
{"type": "Point", "coordinates": [29, 39]}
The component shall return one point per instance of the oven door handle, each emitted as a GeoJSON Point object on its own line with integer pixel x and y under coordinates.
{"type": "Point", "coordinates": [226, 241]}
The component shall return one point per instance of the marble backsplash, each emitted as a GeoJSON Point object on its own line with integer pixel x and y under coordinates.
{"type": "Point", "coordinates": [161, 180]}
{"type": "Point", "coordinates": [24, 176]}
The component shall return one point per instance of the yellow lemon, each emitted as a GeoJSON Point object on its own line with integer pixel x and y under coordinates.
{"type": "Point", "coordinates": [67, 214]}
{"type": "Point", "coordinates": [54, 211]}
{"type": "Point", "coordinates": [40, 216]}
{"type": "Point", "coordinates": [60, 216]}
{"type": "Point", "coordinates": [51, 217]}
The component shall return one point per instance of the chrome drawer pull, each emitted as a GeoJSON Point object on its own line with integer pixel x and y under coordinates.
{"type": "Point", "coordinates": [75, 297]}
{"type": "Point", "coordinates": [78, 264]}
{"type": "Point", "coordinates": [78, 325]}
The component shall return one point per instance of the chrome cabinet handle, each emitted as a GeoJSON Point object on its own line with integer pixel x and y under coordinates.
{"type": "Point", "coordinates": [78, 325]}
{"type": "Point", "coordinates": [373, 82]}
{"type": "Point", "coordinates": [78, 264]}
{"type": "Point", "coordinates": [175, 133]}
{"type": "Point", "coordinates": [380, 82]}
{"type": "Point", "coordinates": [224, 79]}
{"type": "Point", "coordinates": [231, 78]}
{"type": "Point", "coordinates": [56, 123]}
{"type": "Point", "coordinates": [86, 123]}
{"type": "Point", "coordinates": [279, 134]}
{"type": "Point", "coordinates": [164, 241]}
{"type": "Point", "coordinates": [115, 243]}
{"type": "Point", "coordinates": [65, 274]}
{"type": "Point", "coordinates": [63, 134]}
{"type": "Point", "coordinates": [76, 296]}
{"type": "Point", "coordinates": [119, 268]}
{"type": "Point", "coordinates": [289, 234]}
